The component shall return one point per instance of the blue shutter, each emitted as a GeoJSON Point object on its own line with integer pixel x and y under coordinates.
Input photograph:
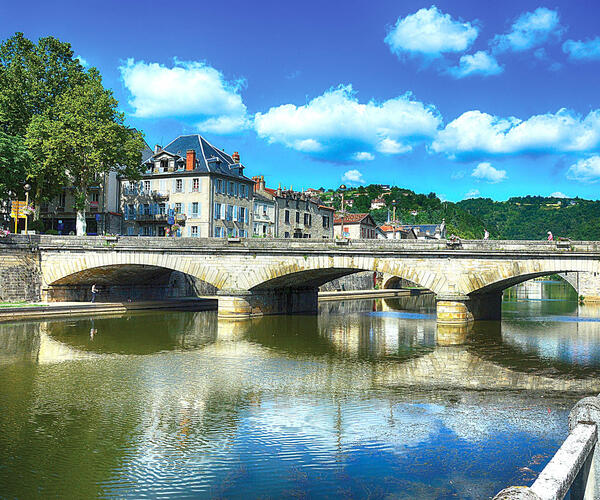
{"type": "Point", "coordinates": [247, 215]}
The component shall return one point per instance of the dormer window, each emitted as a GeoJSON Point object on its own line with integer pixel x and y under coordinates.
{"type": "Point", "coordinates": [164, 165]}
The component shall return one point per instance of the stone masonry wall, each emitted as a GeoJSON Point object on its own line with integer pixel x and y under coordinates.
{"type": "Point", "coordinates": [20, 277]}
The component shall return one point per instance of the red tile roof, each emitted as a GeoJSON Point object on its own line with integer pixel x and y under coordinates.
{"type": "Point", "coordinates": [349, 218]}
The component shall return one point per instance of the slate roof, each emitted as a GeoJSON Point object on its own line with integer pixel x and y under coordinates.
{"type": "Point", "coordinates": [260, 197]}
{"type": "Point", "coordinates": [208, 157]}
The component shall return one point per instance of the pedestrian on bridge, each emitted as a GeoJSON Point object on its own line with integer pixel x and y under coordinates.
{"type": "Point", "coordinates": [550, 237]}
{"type": "Point", "coordinates": [486, 235]}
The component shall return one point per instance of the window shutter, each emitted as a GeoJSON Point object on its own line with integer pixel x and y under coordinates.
{"type": "Point", "coordinates": [174, 185]}
{"type": "Point", "coordinates": [247, 216]}
{"type": "Point", "coordinates": [190, 212]}
{"type": "Point", "coordinates": [199, 210]}
{"type": "Point", "coordinates": [222, 211]}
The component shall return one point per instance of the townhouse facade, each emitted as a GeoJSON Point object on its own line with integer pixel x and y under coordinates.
{"type": "Point", "coordinates": [190, 188]}
{"type": "Point", "coordinates": [290, 214]}
{"type": "Point", "coordinates": [356, 226]}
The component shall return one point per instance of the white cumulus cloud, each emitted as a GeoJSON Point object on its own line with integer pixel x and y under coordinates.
{"type": "Point", "coordinates": [475, 133]}
{"type": "Point", "coordinates": [474, 193]}
{"type": "Point", "coordinates": [586, 170]}
{"type": "Point", "coordinates": [336, 126]}
{"type": "Point", "coordinates": [583, 51]}
{"type": "Point", "coordinates": [485, 172]}
{"type": "Point", "coordinates": [187, 89]}
{"type": "Point", "coordinates": [479, 63]}
{"type": "Point", "coordinates": [363, 156]}
{"type": "Point", "coordinates": [530, 30]}
{"type": "Point", "coordinates": [353, 176]}
{"type": "Point", "coordinates": [82, 61]}
{"type": "Point", "coordinates": [430, 33]}
{"type": "Point", "coordinates": [558, 194]}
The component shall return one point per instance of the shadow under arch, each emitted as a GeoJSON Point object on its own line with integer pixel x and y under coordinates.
{"type": "Point", "coordinates": [502, 284]}
{"type": "Point", "coordinates": [122, 282]}
{"type": "Point", "coordinates": [308, 278]}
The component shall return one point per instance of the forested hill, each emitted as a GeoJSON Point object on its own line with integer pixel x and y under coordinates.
{"type": "Point", "coordinates": [529, 217]}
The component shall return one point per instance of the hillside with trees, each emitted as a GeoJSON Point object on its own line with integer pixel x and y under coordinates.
{"type": "Point", "coordinates": [528, 217]}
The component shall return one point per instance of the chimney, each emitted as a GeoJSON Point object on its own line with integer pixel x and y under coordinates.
{"type": "Point", "coordinates": [236, 157]}
{"type": "Point", "coordinates": [279, 190]}
{"type": "Point", "coordinates": [262, 182]}
{"type": "Point", "coordinates": [190, 159]}
{"type": "Point", "coordinates": [157, 148]}
{"type": "Point", "coordinates": [256, 180]}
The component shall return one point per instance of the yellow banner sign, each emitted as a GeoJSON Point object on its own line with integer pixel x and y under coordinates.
{"type": "Point", "coordinates": [18, 210]}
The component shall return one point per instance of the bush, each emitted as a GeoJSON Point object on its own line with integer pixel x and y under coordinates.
{"type": "Point", "coordinates": [37, 226]}
{"type": "Point", "coordinates": [52, 231]}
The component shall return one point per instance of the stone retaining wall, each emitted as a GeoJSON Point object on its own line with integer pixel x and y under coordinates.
{"type": "Point", "coordinates": [20, 276]}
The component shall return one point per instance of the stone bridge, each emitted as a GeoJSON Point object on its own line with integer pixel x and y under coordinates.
{"type": "Point", "coordinates": [270, 276]}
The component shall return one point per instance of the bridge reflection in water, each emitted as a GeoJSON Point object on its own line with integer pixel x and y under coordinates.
{"type": "Point", "coordinates": [366, 396]}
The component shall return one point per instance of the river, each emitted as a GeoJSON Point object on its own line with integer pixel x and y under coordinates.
{"type": "Point", "coordinates": [369, 399]}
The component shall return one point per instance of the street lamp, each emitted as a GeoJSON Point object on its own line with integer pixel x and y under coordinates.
{"type": "Point", "coordinates": [27, 188]}
{"type": "Point", "coordinates": [342, 188]}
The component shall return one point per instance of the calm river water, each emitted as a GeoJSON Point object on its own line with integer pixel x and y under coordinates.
{"type": "Point", "coordinates": [369, 399]}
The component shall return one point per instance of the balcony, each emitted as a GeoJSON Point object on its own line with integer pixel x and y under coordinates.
{"type": "Point", "coordinates": [94, 205]}
{"type": "Point", "coordinates": [160, 195]}
{"type": "Point", "coordinates": [150, 217]}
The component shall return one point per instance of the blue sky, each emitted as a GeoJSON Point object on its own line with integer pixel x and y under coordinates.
{"type": "Point", "coordinates": [464, 98]}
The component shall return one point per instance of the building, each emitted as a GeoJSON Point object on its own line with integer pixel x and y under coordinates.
{"type": "Point", "coordinates": [378, 203]}
{"type": "Point", "coordinates": [425, 231]}
{"type": "Point", "coordinates": [190, 188]}
{"type": "Point", "coordinates": [264, 223]}
{"type": "Point", "coordinates": [295, 215]}
{"type": "Point", "coordinates": [394, 232]}
{"type": "Point", "coordinates": [355, 226]}
{"type": "Point", "coordinates": [301, 216]}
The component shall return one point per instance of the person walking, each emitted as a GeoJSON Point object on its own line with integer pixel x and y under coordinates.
{"type": "Point", "coordinates": [94, 292]}
{"type": "Point", "coordinates": [550, 237]}
{"type": "Point", "coordinates": [486, 235]}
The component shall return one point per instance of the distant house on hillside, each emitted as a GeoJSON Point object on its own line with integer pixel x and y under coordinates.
{"type": "Point", "coordinates": [355, 226]}
{"type": "Point", "coordinates": [377, 203]}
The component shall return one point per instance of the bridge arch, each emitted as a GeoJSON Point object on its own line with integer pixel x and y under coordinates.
{"type": "Point", "coordinates": [121, 276]}
{"type": "Point", "coordinates": [312, 272]}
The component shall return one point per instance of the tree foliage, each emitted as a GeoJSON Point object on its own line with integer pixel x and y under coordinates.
{"type": "Point", "coordinates": [14, 160]}
{"type": "Point", "coordinates": [84, 136]}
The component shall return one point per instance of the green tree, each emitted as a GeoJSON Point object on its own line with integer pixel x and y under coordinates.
{"type": "Point", "coordinates": [14, 160]}
{"type": "Point", "coordinates": [84, 134]}
{"type": "Point", "coordinates": [361, 204]}
{"type": "Point", "coordinates": [32, 77]}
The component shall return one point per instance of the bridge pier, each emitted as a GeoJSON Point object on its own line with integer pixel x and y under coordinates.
{"type": "Point", "coordinates": [460, 309]}
{"type": "Point", "coordinates": [243, 304]}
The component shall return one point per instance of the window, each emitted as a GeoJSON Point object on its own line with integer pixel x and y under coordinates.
{"type": "Point", "coordinates": [164, 165]}
{"type": "Point", "coordinates": [326, 222]}
{"type": "Point", "coordinates": [177, 208]}
{"type": "Point", "coordinates": [287, 218]}
{"type": "Point", "coordinates": [146, 208]}
{"type": "Point", "coordinates": [179, 186]}
{"type": "Point", "coordinates": [307, 219]}
{"type": "Point", "coordinates": [195, 208]}
{"type": "Point", "coordinates": [217, 211]}
{"type": "Point", "coordinates": [241, 214]}
{"type": "Point", "coordinates": [131, 211]}
{"type": "Point", "coordinates": [230, 190]}
{"type": "Point", "coordinates": [217, 232]}
{"type": "Point", "coordinates": [62, 200]}
{"type": "Point", "coordinates": [195, 185]}
{"type": "Point", "coordinates": [194, 231]}
{"type": "Point", "coordinates": [287, 235]}
{"type": "Point", "coordinates": [147, 186]}
{"type": "Point", "coordinates": [297, 217]}
{"type": "Point", "coordinates": [219, 185]}
{"type": "Point", "coordinates": [130, 231]}
{"type": "Point", "coordinates": [229, 212]}
{"type": "Point", "coordinates": [95, 196]}
{"type": "Point", "coordinates": [162, 208]}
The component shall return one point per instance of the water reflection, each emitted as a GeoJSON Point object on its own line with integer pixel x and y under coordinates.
{"type": "Point", "coordinates": [367, 398]}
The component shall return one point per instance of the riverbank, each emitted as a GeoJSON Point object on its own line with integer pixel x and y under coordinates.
{"type": "Point", "coordinates": [11, 312]}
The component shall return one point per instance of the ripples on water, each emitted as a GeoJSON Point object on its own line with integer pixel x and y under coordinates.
{"type": "Point", "coordinates": [370, 399]}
